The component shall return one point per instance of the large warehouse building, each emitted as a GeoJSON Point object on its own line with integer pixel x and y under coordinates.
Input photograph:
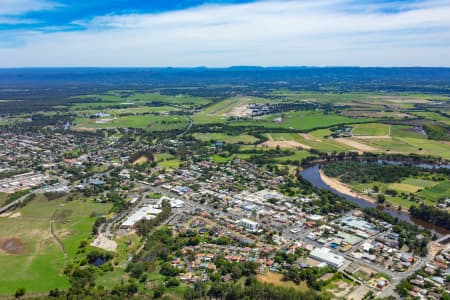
{"type": "Point", "coordinates": [325, 255]}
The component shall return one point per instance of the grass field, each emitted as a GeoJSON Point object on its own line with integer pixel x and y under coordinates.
{"type": "Point", "coordinates": [301, 120]}
{"type": "Point", "coordinates": [437, 192]}
{"type": "Point", "coordinates": [433, 116]}
{"type": "Point", "coordinates": [315, 139]}
{"type": "Point", "coordinates": [298, 155]}
{"type": "Point", "coordinates": [371, 129]}
{"type": "Point", "coordinates": [167, 160]}
{"type": "Point", "coordinates": [149, 122]}
{"type": "Point", "coordinates": [277, 280]}
{"type": "Point", "coordinates": [129, 97]}
{"type": "Point", "coordinates": [231, 139]}
{"type": "Point", "coordinates": [428, 190]}
{"type": "Point", "coordinates": [39, 267]}
{"type": "Point", "coordinates": [406, 131]}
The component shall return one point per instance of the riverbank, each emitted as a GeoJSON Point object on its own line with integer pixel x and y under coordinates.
{"type": "Point", "coordinates": [341, 187]}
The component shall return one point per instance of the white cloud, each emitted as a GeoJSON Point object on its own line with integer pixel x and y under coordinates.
{"type": "Point", "coordinates": [328, 32]}
{"type": "Point", "coordinates": [18, 7]}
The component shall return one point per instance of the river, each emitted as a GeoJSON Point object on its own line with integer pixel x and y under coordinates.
{"type": "Point", "coordinates": [312, 175]}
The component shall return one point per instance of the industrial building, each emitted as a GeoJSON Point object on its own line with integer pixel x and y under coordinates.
{"type": "Point", "coordinates": [325, 255]}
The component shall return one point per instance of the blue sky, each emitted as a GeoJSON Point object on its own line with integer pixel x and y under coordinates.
{"type": "Point", "coordinates": [223, 33]}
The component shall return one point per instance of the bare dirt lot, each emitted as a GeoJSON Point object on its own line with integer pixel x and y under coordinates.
{"type": "Point", "coordinates": [12, 246]}
{"type": "Point", "coordinates": [358, 293]}
{"type": "Point", "coordinates": [103, 242]}
{"type": "Point", "coordinates": [284, 144]}
{"type": "Point", "coordinates": [373, 137]}
{"type": "Point", "coordinates": [239, 111]}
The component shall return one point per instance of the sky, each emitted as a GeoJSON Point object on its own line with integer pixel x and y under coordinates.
{"type": "Point", "coordinates": [189, 33]}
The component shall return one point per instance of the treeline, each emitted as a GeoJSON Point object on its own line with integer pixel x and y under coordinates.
{"type": "Point", "coordinates": [361, 172]}
{"type": "Point", "coordinates": [437, 132]}
{"type": "Point", "coordinates": [431, 215]}
{"type": "Point", "coordinates": [252, 289]}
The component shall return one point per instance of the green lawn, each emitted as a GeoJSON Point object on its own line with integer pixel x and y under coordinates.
{"type": "Point", "coordinates": [371, 129]}
{"type": "Point", "coordinates": [171, 163]}
{"type": "Point", "coordinates": [437, 192]}
{"type": "Point", "coordinates": [405, 131]}
{"type": "Point", "coordinates": [220, 159]}
{"type": "Point", "coordinates": [298, 155]}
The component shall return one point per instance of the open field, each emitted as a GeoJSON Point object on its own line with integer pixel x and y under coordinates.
{"type": "Point", "coordinates": [130, 98]}
{"type": "Point", "coordinates": [429, 191]}
{"type": "Point", "coordinates": [300, 120]}
{"type": "Point", "coordinates": [231, 139]}
{"type": "Point", "coordinates": [149, 122]}
{"type": "Point", "coordinates": [433, 116]}
{"type": "Point", "coordinates": [298, 155]}
{"type": "Point", "coordinates": [276, 279]}
{"type": "Point", "coordinates": [406, 131]}
{"type": "Point", "coordinates": [437, 192]}
{"type": "Point", "coordinates": [315, 139]}
{"type": "Point", "coordinates": [39, 266]}
{"type": "Point", "coordinates": [166, 160]}
{"type": "Point", "coordinates": [356, 145]}
{"type": "Point", "coordinates": [371, 129]}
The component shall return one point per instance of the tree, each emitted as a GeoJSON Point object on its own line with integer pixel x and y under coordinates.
{"type": "Point", "coordinates": [381, 198]}
{"type": "Point", "coordinates": [19, 293]}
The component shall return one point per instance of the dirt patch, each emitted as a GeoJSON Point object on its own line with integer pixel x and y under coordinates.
{"type": "Point", "coordinates": [103, 242]}
{"type": "Point", "coordinates": [239, 111]}
{"type": "Point", "coordinates": [284, 144]}
{"type": "Point", "coordinates": [357, 145]}
{"type": "Point", "coordinates": [15, 215]}
{"type": "Point", "coordinates": [308, 137]}
{"type": "Point", "coordinates": [373, 137]}
{"type": "Point", "coordinates": [81, 129]}
{"type": "Point", "coordinates": [141, 160]}
{"type": "Point", "coordinates": [358, 293]}
{"type": "Point", "coordinates": [12, 246]}
{"type": "Point", "coordinates": [404, 100]}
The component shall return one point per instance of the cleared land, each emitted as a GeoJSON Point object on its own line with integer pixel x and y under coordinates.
{"type": "Point", "coordinates": [277, 279]}
{"type": "Point", "coordinates": [39, 262]}
{"type": "Point", "coordinates": [356, 145]}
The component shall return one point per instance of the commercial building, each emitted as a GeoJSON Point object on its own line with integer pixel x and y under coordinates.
{"type": "Point", "coordinates": [249, 224]}
{"type": "Point", "coordinates": [325, 255]}
{"type": "Point", "coordinates": [144, 213]}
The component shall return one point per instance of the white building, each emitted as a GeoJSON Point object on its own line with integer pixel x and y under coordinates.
{"type": "Point", "coordinates": [325, 255]}
{"type": "Point", "coordinates": [144, 213]}
{"type": "Point", "coordinates": [249, 224]}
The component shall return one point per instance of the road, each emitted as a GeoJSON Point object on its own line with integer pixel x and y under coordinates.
{"type": "Point", "coordinates": [14, 203]}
